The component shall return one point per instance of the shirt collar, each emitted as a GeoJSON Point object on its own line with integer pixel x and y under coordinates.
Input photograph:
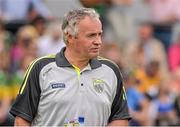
{"type": "Point", "coordinates": [61, 60]}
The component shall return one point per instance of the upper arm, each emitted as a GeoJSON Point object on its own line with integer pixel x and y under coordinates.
{"type": "Point", "coordinates": [118, 123]}
{"type": "Point", "coordinates": [26, 103]}
{"type": "Point", "coordinates": [21, 122]}
{"type": "Point", "coordinates": [119, 108]}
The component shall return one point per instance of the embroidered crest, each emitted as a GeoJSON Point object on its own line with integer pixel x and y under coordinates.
{"type": "Point", "coordinates": [98, 85]}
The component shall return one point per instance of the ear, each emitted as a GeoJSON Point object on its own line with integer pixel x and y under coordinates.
{"type": "Point", "coordinates": [68, 37]}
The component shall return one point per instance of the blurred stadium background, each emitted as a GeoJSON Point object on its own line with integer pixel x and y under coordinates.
{"type": "Point", "coordinates": [141, 36]}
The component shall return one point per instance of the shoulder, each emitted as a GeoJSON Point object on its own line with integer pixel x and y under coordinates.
{"type": "Point", "coordinates": [40, 62]}
{"type": "Point", "coordinates": [111, 65]}
{"type": "Point", "coordinates": [45, 59]}
{"type": "Point", "coordinates": [107, 62]}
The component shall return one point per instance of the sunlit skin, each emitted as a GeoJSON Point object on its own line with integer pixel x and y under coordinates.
{"type": "Point", "coordinates": [87, 43]}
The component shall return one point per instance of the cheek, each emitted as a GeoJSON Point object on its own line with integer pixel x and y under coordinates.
{"type": "Point", "coordinates": [80, 47]}
{"type": "Point", "coordinates": [85, 44]}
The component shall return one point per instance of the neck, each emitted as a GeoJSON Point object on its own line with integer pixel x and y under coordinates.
{"type": "Point", "coordinates": [74, 59]}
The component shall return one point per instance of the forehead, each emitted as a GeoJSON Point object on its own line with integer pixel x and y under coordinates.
{"type": "Point", "coordinates": [89, 24]}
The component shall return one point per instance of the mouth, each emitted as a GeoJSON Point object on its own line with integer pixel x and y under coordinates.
{"type": "Point", "coordinates": [95, 49]}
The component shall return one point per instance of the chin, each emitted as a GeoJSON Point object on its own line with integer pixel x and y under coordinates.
{"type": "Point", "coordinates": [94, 55]}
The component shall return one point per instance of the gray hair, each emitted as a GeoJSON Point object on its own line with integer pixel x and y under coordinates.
{"type": "Point", "coordinates": [70, 21]}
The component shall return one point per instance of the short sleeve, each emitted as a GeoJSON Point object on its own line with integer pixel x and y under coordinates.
{"type": "Point", "coordinates": [26, 103]}
{"type": "Point", "coordinates": [119, 109]}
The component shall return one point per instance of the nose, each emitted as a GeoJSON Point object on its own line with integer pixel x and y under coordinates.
{"type": "Point", "coordinates": [98, 40]}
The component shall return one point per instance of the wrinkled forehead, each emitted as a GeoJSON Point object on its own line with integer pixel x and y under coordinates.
{"type": "Point", "coordinates": [90, 24]}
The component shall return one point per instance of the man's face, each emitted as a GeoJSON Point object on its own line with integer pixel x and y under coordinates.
{"type": "Point", "coordinates": [87, 42]}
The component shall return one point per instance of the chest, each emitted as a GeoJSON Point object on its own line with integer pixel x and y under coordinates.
{"type": "Point", "coordinates": [61, 86]}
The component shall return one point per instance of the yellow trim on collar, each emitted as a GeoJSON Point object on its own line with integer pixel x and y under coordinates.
{"type": "Point", "coordinates": [78, 71]}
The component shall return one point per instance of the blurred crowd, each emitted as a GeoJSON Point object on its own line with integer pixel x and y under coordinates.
{"type": "Point", "coordinates": [141, 36]}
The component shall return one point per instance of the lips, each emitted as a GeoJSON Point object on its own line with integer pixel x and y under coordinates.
{"type": "Point", "coordinates": [95, 49]}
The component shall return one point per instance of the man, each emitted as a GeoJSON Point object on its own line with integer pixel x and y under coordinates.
{"type": "Point", "coordinates": [74, 87]}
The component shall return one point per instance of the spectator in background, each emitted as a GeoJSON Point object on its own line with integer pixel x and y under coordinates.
{"type": "Point", "coordinates": [145, 49]}
{"type": "Point", "coordinates": [137, 102]}
{"type": "Point", "coordinates": [40, 24]}
{"type": "Point", "coordinates": [166, 115]}
{"type": "Point", "coordinates": [121, 20]}
{"type": "Point", "coordinates": [8, 37]}
{"type": "Point", "coordinates": [164, 13]}
{"type": "Point", "coordinates": [174, 88]}
{"type": "Point", "coordinates": [16, 13]}
{"type": "Point", "coordinates": [25, 35]}
{"type": "Point", "coordinates": [177, 107]}
{"type": "Point", "coordinates": [98, 5]}
{"type": "Point", "coordinates": [31, 48]}
{"type": "Point", "coordinates": [174, 55]}
{"type": "Point", "coordinates": [3, 46]}
{"type": "Point", "coordinates": [5, 88]}
{"type": "Point", "coordinates": [52, 42]}
{"type": "Point", "coordinates": [18, 10]}
{"type": "Point", "coordinates": [149, 78]}
{"type": "Point", "coordinates": [175, 82]}
{"type": "Point", "coordinates": [112, 51]}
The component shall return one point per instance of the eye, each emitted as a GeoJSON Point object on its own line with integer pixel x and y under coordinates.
{"type": "Point", "coordinates": [100, 34]}
{"type": "Point", "coordinates": [91, 35]}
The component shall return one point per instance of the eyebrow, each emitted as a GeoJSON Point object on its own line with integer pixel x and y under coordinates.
{"type": "Point", "coordinates": [95, 32]}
